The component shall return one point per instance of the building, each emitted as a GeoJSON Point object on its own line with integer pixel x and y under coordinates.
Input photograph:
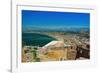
{"type": "Point", "coordinates": [58, 50]}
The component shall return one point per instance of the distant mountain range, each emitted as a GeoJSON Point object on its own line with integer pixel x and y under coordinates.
{"type": "Point", "coordinates": [45, 29]}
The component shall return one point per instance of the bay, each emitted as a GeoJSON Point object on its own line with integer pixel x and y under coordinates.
{"type": "Point", "coordinates": [35, 39]}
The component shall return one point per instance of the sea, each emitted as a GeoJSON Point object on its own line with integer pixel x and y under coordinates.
{"type": "Point", "coordinates": [36, 39]}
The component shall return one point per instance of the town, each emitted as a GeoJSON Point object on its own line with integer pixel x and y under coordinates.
{"type": "Point", "coordinates": [68, 46]}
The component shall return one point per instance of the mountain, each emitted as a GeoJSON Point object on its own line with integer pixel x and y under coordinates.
{"type": "Point", "coordinates": [46, 29]}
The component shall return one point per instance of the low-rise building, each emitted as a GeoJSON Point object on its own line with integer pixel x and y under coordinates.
{"type": "Point", "coordinates": [58, 50]}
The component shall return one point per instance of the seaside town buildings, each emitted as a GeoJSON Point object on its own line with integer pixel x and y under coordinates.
{"type": "Point", "coordinates": [56, 51]}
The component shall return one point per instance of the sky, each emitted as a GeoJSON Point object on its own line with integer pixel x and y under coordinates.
{"type": "Point", "coordinates": [50, 19]}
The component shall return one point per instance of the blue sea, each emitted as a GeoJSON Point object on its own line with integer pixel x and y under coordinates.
{"type": "Point", "coordinates": [36, 39]}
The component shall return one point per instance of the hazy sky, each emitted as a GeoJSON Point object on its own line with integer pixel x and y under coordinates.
{"type": "Point", "coordinates": [49, 19]}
